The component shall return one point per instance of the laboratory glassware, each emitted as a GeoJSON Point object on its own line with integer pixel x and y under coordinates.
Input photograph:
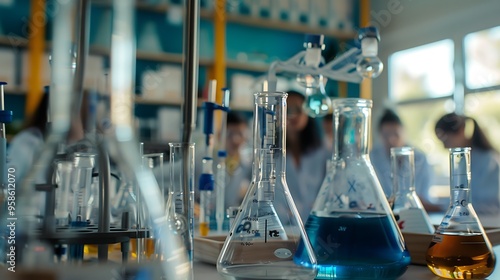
{"type": "Point", "coordinates": [181, 203]}
{"type": "Point", "coordinates": [460, 249]}
{"type": "Point", "coordinates": [369, 65]}
{"type": "Point", "coordinates": [267, 231]}
{"type": "Point", "coordinates": [149, 248]}
{"type": "Point", "coordinates": [209, 204]}
{"type": "Point", "coordinates": [206, 181]}
{"type": "Point", "coordinates": [220, 179]}
{"type": "Point", "coordinates": [351, 226]}
{"type": "Point", "coordinates": [317, 103]}
{"type": "Point", "coordinates": [83, 163]}
{"type": "Point", "coordinates": [62, 192]}
{"type": "Point", "coordinates": [313, 45]}
{"type": "Point", "coordinates": [407, 207]}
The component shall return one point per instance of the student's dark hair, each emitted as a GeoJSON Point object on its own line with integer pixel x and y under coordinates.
{"type": "Point", "coordinates": [389, 116]}
{"type": "Point", "coordinates": [452, 122]}
{"type": "Point", "coordinates": [234, 117]}
{"type": "Point", "coordinates": [40, 116]}
{"type": "Point", "coordinates": [310, 136]}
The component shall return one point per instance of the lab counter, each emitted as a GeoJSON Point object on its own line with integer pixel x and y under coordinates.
{"type": "Point", "coordinates": [205, 271]}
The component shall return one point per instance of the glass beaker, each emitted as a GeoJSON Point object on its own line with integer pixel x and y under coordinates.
{"type": "Point", "coordinates": [267, 231]}
{"type": "Point", "coordinates": [351, 226]}
{"type": "Point", "coordinates": [460, 249]}
{"type": "Point", "coordinates": [407, 207]}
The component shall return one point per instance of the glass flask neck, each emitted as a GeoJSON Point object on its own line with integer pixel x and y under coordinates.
{"type": "Point", "coordinates": [269, 135]}
{"type": "Point", "coordinates": [351, 128]}
{"type": "Point", "coordinates": [403, 170]}
{"type": "Point", "coordinates": [460, 175]}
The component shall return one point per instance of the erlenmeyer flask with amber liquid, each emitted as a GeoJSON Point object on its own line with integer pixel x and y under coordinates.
{"type": "Point", "coordinates": [460, 249]}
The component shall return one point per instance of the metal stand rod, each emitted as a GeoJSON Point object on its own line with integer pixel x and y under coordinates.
{"type": "Point", "coordinates": [104, 211]}
{"type": "Point", "coordinates": [191, 62]}
{"type": "Point", "coordinates": [82, 46]}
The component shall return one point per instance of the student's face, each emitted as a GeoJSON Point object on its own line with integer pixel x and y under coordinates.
{"type": "Point", "coordinates": [451, 139]}
{"type": "Point", "coordinates": [296, 117]}
{"type": "Point", "coordinates": [236, 136]}
{"type": "Point", "coordinates": [392, 135]}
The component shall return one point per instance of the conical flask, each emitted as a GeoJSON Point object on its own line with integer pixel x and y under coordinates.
{"type": "Point", "coordinates": [267, 231]}
{"type": "Point", "coordinates": [351, 227]}
{"type": "Point", "coordinates": [460, 249]}
{"type": "Point", "coordinates": [407, 207]}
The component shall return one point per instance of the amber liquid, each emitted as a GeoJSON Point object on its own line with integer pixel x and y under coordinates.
{"type": "Point", "coordinates": [90, 251]}
{"type": "Point", "coordinates": [460, 256]}
{"type": "Point", "coordinates": [148, 247]}
{"type": "Point", "coordinates": [204, 228]}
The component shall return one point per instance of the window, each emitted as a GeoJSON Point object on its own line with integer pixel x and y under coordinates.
{"type": "Point", "coordinates": [422, 72]}
{"type": "Point", "coordinates": [482, 58]}
{"type": "Point", "coordinates": [424, 86]}
{"type": "Point", "coordinates": [483, 107]}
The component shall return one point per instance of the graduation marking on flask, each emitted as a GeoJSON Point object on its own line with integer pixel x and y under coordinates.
{"type": "Point", "coordinates": [351, 186]}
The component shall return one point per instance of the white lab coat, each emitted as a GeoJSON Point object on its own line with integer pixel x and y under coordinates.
{"type": "Point", "coordinates": [485, 182]}
{"type": "Point", "coordinates": [304, 181]}
{"type": "Point", "coordinates": [22, 150]}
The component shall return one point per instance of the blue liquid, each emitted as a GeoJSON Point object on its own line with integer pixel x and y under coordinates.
{"type": "Point", "coordinates": [353, 247]}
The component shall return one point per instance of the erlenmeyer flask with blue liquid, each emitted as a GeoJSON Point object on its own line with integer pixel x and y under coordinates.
{"type": "Point", "coordinates": [351, 227]}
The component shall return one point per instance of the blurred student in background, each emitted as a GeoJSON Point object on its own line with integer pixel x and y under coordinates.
{"type": "Point", "coordinates": [452, 129]}
{"type": "Point", "coordinates": [28, 142]}
{"type": "Point", "coordinates": [238, 160]}
{"type": "Point", "coordinates": [306, 155]}
{"type": "Point", "coordinates": [392, 134]}
{"type": "Point", "coordinates": [328, 131]}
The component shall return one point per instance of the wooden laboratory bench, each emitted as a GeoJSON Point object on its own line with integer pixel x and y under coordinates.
{"type": "Point", "coordinates": [205, 271]}
{"type": "Point", "coordinates": [208, 271]}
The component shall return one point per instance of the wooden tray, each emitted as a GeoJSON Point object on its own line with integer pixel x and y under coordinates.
{"type": "Point", "coordinates": [417, 243]}
{"type": "Point", "coordinates": [207, 249]}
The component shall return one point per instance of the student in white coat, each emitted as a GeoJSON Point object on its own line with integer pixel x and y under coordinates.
{"type": "Point", "coordinates": [485, 162]}
{"type": "Point", "coordinates": [392, 134]}
{"type": "Point", "coordinates": [306, 155]}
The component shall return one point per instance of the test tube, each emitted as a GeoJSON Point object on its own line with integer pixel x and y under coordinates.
{"type": "Point", "coordinates": [154, 162]}
{"type": "Point", "coordinates": [82, 164]}
{"type": "Point", "coordinates": [63, 182]}
{"type": "Point", "coordinates": [220, 186]}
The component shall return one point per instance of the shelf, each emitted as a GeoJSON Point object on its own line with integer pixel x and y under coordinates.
{"type": "Point", "coordinates": [177, 58]}
{"type": "Point", "coordinates": [15, 90]}
{"type": "Point", "coordinates": [151, 56]}
{"type": "Point", "coordinates": [247, 66]}
{"type": "Point", "coordinates": [247, 20]}
{"type": "Point", "coordinates": [13, 41]}
{"type": "Point", "coordinates": [142, 101]}
{"type": "Point", "coordinates": [290, 27]}
{"type": "Point", "coordinates": [156, 8]}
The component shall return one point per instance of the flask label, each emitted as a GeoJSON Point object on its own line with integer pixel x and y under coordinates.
{"type": "Point", "coordinates": [282, 253]}
{"type": "Point", "coordinates": [437, 238]}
